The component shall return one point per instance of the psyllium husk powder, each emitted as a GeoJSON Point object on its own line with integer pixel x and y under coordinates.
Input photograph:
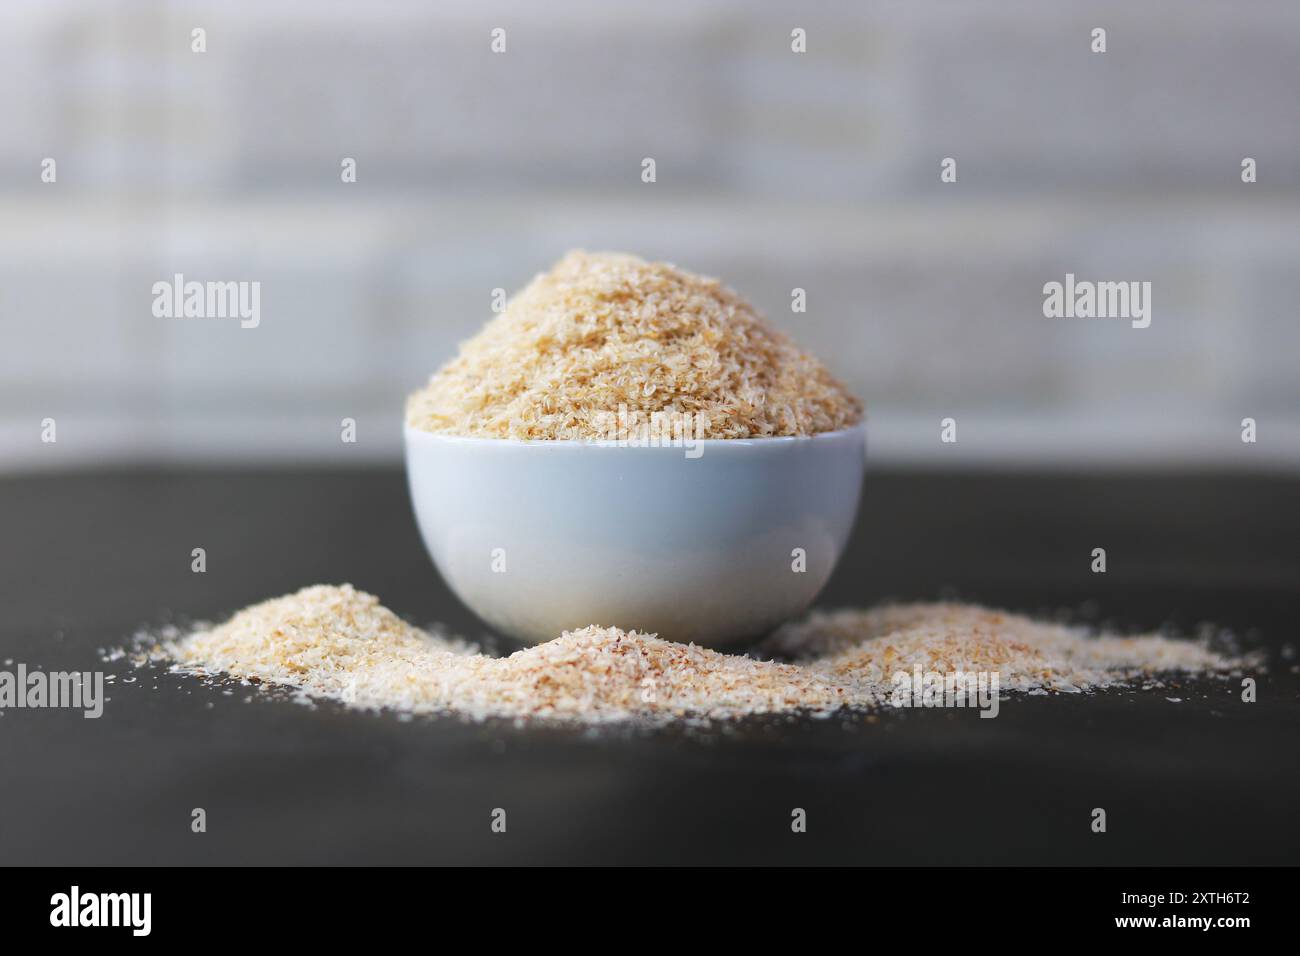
{"type": "Point", "coordinates": [337, 643]}
{"type": "Point", "coordinates": [606, 331]}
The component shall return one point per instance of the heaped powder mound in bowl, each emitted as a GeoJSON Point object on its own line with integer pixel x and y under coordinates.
{"type": "Point", "coordinates": [602, 332]}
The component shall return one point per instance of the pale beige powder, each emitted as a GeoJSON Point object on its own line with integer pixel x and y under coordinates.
{"type": "Point", "coordinates": [339, 643]}
{"type": "Point", "coordinates": [871, 646]}
{"type": "Point", "coordinates": [602, 332]}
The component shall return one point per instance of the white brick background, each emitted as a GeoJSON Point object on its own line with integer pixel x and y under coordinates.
{"type": "Point", "coordinates": [775, 170]}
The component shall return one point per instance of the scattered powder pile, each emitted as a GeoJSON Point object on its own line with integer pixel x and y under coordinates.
{"type": "Point", "coordinates": [323, 639]}
{"type": "Point", "coordinates": [868, 647]}
{"type": "Point", "coordinates": [341, 644]}
{"type": "Point", "coordinates": [600, 331]}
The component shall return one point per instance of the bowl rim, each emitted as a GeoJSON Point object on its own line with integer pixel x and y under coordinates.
{"type": "Point", "coordinates": [412, 433]}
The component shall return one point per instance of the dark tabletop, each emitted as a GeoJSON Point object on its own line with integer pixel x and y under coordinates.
{"type": "Point", "coordinates": [86, 559]}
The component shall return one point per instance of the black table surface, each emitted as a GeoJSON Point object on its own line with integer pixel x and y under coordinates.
{"type": "Point", "coordinates": [87, 558]}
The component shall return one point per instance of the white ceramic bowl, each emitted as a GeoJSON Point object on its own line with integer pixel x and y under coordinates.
{"type": "Point", "coordinates": [542, 537]}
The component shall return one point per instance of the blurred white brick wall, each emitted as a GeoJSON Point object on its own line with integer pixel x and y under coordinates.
{"type": "Point", "coordinates": [775, 170]}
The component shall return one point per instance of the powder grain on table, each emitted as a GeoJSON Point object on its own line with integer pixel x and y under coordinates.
{"type": "Point", "coordinates": [602, 331]}
{"type": "Point", "coordinates": [870, 646]}
{"type": "Point", "coordinates": [339, 643]}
